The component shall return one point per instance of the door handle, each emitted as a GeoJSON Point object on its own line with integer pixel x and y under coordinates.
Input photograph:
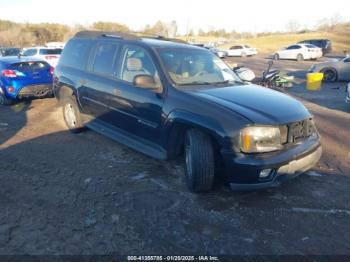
{"type": "Point", "coordinates": [117, 92]}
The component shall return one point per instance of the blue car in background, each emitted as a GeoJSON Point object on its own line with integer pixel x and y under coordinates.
{"type": "Point", "coordinates": [22, 77]}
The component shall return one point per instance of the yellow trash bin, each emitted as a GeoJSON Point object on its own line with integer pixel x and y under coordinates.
{"type": "Point", "coordinates": [314, 81]}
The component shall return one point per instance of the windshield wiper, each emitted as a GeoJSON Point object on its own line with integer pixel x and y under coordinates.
{"type": "Point", "coordinates": [195, 83]}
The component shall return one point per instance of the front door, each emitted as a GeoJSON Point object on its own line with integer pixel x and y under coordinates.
{"type": "Point", "coordinates": [139, 108]}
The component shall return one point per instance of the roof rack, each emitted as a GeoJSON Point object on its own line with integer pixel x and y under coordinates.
{"type": "Point", "coordinates": [122, 35]}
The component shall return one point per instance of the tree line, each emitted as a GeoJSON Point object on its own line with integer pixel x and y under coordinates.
{"type": "Point", "coordinates": [29, 34]}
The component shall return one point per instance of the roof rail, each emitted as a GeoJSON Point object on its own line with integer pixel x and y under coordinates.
{"type": "Point", "coordinates": [97, 34]}
{"type": "Point", "coordinates": [122, 35]}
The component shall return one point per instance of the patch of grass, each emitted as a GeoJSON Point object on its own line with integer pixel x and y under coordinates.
{"type": "Point", "coordinates": [272, 43]}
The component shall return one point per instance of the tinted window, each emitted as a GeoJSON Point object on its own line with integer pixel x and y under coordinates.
{"type": "Point", "coordinates": [56, 51]}
{"type": "Point", "coordinates": [10, 51]}
{"type": "Point", "coordinates": [347, 60]}
{"type": "Point", "coordinates": [75, 53]}
{"type": "Point", "coordinates": [136, 61]}
{"type": "Point", "coordinates": [30, 52]}
{"type": "Point", "coordinates": [236, 47]}
{"type": "Point", "coordinates": [292, 47]}
{"type": "Point", "coordinates": [30, 66]}
{"type": "Point", "coordinates": [104, 58]}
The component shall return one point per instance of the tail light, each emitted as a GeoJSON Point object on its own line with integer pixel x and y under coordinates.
{"type": "Point", "coordinates": [52, 70]}
{"type": "Point", "coordinates": [8, 73]}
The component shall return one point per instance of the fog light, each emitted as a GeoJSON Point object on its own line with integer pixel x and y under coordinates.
{"type": "Point", "coordinates": [10, 89]}
{"type": "Point", "coordinates": [265, 173]}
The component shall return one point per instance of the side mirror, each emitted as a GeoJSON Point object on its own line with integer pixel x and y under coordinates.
{"type": "Point", "coordinates": [145, 81]}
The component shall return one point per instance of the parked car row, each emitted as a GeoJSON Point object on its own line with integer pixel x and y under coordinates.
{"type": "Point", "coordinates": [50, 53]}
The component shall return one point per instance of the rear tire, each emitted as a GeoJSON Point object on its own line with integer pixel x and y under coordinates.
{"type": "Point", "coordinates": [276, 57]}
{"type": "Point", "coordinates": [200, 161]}
{"type": "Point", "coordinates": [300, 57]}
{"type": "Point", "coordinates": [72, 115]}
{"type": "Point", "coordinates": [3, 99]}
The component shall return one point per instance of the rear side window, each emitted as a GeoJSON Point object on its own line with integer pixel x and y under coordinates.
{"type": "Point", "coordinates": [30, 66]}
{"type": "Point", "coordinates": [105, 54]}
{"type": "Point", "coordinates": [75, 53]}
{"type": "Point", "coordinates": [30, 52]}
{"type": "Point", "coordinates": [292, 47]}
{"type": "Point", "coordinates": [56, 51]}
{"type": "Point", "coordinates": [236, 47]}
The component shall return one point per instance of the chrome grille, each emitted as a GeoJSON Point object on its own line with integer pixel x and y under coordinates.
{"type": "Point", "coordinates": [299, 131]}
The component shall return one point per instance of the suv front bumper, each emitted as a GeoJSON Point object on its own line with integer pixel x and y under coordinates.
{"type": "Point", "coordinates": [243, 171]}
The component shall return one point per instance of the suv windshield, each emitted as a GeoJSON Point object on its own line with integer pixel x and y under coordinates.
{"type": "Point", "coordinates": [195, 67]}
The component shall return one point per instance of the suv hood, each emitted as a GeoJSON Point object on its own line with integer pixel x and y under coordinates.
{"type": "Point", "coordinates": [259, 104]}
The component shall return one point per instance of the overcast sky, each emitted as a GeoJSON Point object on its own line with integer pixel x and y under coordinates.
{"type": "Point", "coordinates": [250, 15]}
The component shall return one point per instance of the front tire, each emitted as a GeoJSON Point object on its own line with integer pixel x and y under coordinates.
{"type": "Point", "coordinates": [300, 57]}
{"type": "Point", "coordinates": [330, 74]}
{"type": "Point", "coordinates": [72, 115]}
{"type": "Point", "coordinates": [200, 161]}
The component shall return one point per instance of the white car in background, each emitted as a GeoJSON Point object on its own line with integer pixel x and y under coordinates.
{"type": "Point", "coordinates": [299, 52]}
{"type": "Point", "coordinates": [49, 54]}
{"type": "Point", "coordinates": [241, 50]}
{"type": "Point", "coordinates": [218, 52]}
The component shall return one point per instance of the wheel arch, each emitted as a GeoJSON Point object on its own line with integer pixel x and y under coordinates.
{"type": "Point", "coordinates": [322, 70]}
{"type": "Point", "coordinates": [179, 122]}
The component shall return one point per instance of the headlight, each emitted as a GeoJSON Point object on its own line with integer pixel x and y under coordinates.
{"type": "Point", "coordinates": [258, 139]}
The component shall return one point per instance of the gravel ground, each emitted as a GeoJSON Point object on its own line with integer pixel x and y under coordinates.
{"type": "Point", "coordinates": [84, 194]}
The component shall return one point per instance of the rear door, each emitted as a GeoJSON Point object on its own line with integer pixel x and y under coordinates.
{"type": "Point", "coordinates": [98, 85]}
{"type": "Point", "coordinates": [291, 52]}
{"type": "Point", "coordinates": [235, 50]}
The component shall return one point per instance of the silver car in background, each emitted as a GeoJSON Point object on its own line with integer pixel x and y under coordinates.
{"type": "Point", "coordinates": [333, 70]}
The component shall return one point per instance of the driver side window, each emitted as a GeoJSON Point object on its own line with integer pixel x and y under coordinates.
{"type": "Point", "coordinates": [136, 61]}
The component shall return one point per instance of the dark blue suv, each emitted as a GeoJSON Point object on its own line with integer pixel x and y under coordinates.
{"type": "Point", "coordinates": [168, 99]}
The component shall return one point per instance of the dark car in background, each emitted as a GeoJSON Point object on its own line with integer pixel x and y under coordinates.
{"type": "Point", "coordinates": [325, 44]}
{"type": "Point", "coordinates": [22, 77]}
{"type": "Point", "coordinates": [168, 99]}
{"type": "Point", "coordinates": [9, 51]}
